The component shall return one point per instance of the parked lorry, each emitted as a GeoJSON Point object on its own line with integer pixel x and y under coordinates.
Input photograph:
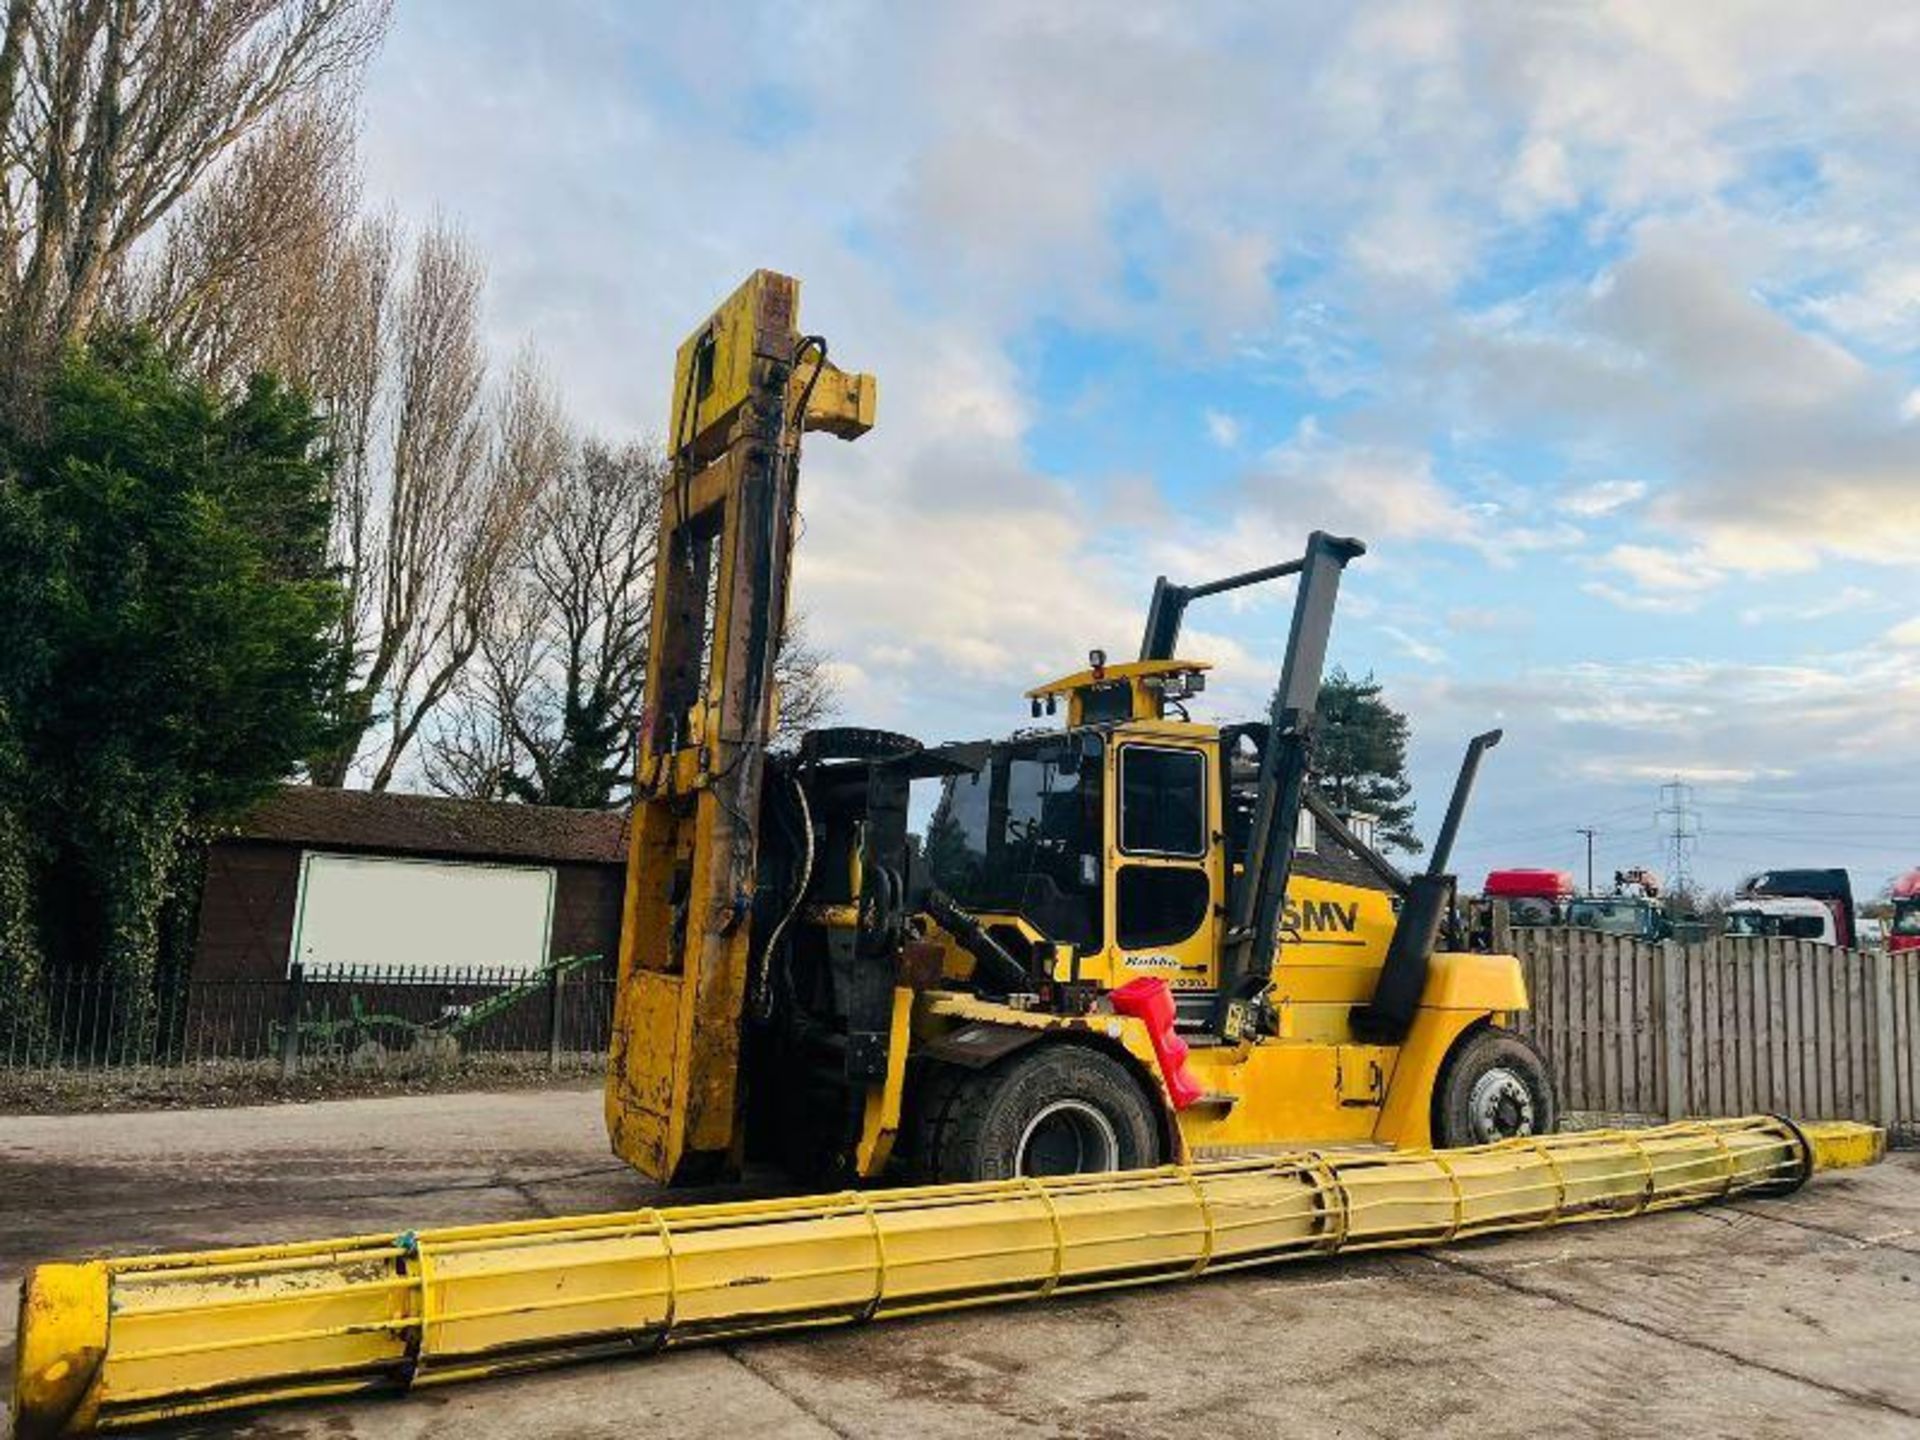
{"type": "Point", "coordinates": [1786, 917]}
{"type": "Point", "coordinates": [1808, 904]}
{"type": "Point", "coordinates": [1533, 897]}
{"type": "Point", "coordinates": [1632, 910]}
{"type": "Point", "coordinates": [1903, 927]}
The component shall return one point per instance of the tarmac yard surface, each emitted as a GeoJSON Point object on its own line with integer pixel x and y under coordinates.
{"type": "Point", "coordinates": [1763, 1318]}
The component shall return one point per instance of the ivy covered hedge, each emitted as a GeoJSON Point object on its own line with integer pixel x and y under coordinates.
{"type": "Point", "coordinates": [166, 598]}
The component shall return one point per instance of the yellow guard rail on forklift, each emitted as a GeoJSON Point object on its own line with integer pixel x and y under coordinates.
{"type": "Point", "coordinates": [111, 1344]}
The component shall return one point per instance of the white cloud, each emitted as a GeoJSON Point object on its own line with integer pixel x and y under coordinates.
{"type": "Point", "coordinates": [1666, 571]}
{"type": "Point", "coordinates": [1412, 646]}
{"type": "Point", "coordinates": [1879, 306]}
{"type": "Point", "coordinates": [1602, 497]}
{"type": "Point", "coordinates": [1223, 286]}
{"type": "Point", "coordinates": [1845, 601]}
{"type": "Point", "coordinates": [1223, 429]}
{"type": "Point", "coordinates": [1691, 774]}
{"type": "Point", "coordinates": [1466, 619]}
{"type": "Point", "coordinates": [1378, 492]}
{"type": "Point", "coordinates": [1541, 179]}
{"type": "Point", "coordinates": [1506, 536]}
{"type": "Point", "coordinates": [1640, 600]}
{"type": "Point", "coordinates": [1590, 738]}
{"type": "Point", "coordinates": [1782, 448]}
{"type": "Point", "coordinates": [1411, 240]}
{"type": "Point", "coordinates": [1678, 306]}
{"type": "Point", "coordinates": [1664, 582]}
{"type": "Point", "coordinates": [1907, 632]}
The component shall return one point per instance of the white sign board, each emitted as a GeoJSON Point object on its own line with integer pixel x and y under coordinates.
{"type": "Point", "coordinates": [360, 911]}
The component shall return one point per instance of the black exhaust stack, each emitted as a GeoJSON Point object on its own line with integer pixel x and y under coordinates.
{"type": "Point", "coordinates": [1396, 995]}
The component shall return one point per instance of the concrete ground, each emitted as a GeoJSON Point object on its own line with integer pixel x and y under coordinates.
{"type": "Point", "coordinates": [1767, 1318]}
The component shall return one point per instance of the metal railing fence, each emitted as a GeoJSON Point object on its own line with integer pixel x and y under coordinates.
{"type": "Point", "coordinates": [341, 1018]}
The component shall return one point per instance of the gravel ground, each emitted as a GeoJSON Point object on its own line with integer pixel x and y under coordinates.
{"type": "Point", "coordinates": [1764, 1318]}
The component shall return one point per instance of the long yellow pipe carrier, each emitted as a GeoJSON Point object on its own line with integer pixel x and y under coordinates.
{"type": "Point", "coordinates": [111, 1344]}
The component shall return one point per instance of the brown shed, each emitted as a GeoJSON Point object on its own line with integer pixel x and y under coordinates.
{"type": "Point", "coordinates": [350, 878]}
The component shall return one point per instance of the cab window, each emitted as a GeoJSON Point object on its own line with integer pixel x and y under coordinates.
{"type": "Point", "coordinates": [1024, 834]}
{"type": "Point", "coordinates": [1162, 801]}
{"type": "Point", "coordinates": [1160, 904]}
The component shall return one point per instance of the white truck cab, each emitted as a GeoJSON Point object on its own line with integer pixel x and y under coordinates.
{"type": "Point", "coordinates": [1790, 917]}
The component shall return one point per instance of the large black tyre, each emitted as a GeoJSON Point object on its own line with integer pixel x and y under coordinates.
{"type": "Point", "coordinates": [1495, 1086]}
{"type": "Point", "coordinates": [1051, 1110]}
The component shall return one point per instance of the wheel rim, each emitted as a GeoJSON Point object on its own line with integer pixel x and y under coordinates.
{"type": "Point", "coordinates": [1500, 1107]}
{"type": "Point", "coordinates": [1068, 1137]}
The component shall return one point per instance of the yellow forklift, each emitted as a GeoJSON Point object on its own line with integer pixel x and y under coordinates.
{"type": "Point", "coordinates": [1101, 954]}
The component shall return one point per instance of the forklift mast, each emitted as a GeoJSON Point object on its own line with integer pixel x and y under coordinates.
{"type": "Point", "coordinates": [747, 385]}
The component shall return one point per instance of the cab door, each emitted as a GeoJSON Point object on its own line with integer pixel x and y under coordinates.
{"type": "Point", "coordinates": [1166, 905]}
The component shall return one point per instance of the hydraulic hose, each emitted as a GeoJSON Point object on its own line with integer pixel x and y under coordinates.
{"type": "Point", "coordinates": [769, 954]}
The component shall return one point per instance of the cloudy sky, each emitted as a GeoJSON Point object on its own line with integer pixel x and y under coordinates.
{"type": "Point", "coordinates": [1599, 322]}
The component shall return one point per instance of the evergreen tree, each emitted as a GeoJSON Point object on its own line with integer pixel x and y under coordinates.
{"type": "Point", "coordinates": [1360, 761]}
{"type": "Point", "coordinates": [948, 860]}
{"type": "Point", "coordinates": [164, 577]}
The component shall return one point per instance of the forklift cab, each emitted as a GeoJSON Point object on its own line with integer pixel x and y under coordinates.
{"type": "Point", "coordinates": [1116, 845]}
{"type": "Point", "coordinates": [1102, 842]}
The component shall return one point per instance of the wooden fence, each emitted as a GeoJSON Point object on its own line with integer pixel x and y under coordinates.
{"type": "Point", "coordinates": [1729, 1026]}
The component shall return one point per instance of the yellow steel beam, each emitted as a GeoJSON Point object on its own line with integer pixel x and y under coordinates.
{"type": "Point", "coordinates": [111, 1344]}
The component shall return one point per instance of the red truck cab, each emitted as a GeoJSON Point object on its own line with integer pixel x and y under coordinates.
{"type": "Point", "coordinates": [1903, 930]}
{"type": "Point", "coordinates": [1534, 897]}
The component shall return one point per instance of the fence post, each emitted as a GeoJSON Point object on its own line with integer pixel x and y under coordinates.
{"type": "Point", "coordinates": [290, 1022]}
{"type": "Point", "coordinates": [555, 979]}
{"type": "Point", "coordinates": [1673, 1025]}
{"type": "Point", "coordinates": [1886, 1102]}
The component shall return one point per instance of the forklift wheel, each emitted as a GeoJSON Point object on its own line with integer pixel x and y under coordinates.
{"type": "Point", "coordinates": [1494, 1087]}
{"type": "Point", "coordinates": [1052, 1110]}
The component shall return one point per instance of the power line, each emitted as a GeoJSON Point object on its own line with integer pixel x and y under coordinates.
{"type": "Point", "coordinates": [1549, 831]}
{"type": "Point", "coordinates": [1804, 810]}
{"type": "Point", "coordinates": [1875, 847]}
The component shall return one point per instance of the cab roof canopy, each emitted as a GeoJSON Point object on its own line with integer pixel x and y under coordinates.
{"type": "Point", "coordinates": [1533, 884]}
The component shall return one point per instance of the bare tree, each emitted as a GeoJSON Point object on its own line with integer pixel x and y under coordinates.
{"type": "Point", "coordinates": [550, 713]}
{"type": "Point", "coordinates": [113, 112]}
{"type": "Point", "coordinates": [434, 478]}
{"type": "Point", "coordinates": [269, 266]}
{"type": "Point", "coordinates": [804, 677]}
{"type": "Point", "coordinates": [459, 576]}
{"type": "Point", "coordinates": [255, 270]}
{"type": "Point", "coordinates": [445, 511]}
